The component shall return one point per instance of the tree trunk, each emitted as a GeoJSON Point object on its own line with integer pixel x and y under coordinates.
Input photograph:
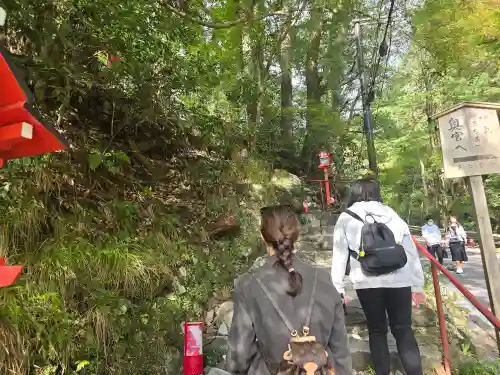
{"type": "Point", "coordinates": [313, 84]}
{"type": "Point", "coordinates": [286, 91]}
{"type": "Point", "coordinates": [424, 180]}
{"type": "Point", "coordinates": [257, 73]}
{"type": "Point", "coordinates": [438, 188]}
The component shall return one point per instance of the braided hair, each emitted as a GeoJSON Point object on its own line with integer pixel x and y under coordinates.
{"type": "Point", "coordinates": [280, 228]}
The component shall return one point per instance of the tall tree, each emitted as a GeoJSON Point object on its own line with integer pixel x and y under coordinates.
{"type": "Point", "coordinates": [313, 79]}
{"type": "Point", "coordinates": [286, 82]}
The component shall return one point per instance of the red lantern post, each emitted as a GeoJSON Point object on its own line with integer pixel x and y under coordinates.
{"type": "Point", "coordinates": [21, 132]}
{"type": "Point", "coordinates": [324, 164]}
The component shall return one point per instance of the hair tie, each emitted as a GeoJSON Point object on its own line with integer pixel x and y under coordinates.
{"type": "Point", "coordinates": [291, 270]}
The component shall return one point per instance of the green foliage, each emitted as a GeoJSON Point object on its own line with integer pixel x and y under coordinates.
{"type": "Point", "coordinates": [113, 233]}
{"type": "Point", "coordinates": [462, 34]}
{"type": "Point", "coordinates": [452, 58]}
{"type": "Point", "coordinates": [108, 282]}
{"type": "Point", "coordinates": [187, 128]}
{"type": "Point", "coordinates": [474, 367]}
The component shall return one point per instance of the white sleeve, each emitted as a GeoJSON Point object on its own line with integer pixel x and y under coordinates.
{"type": "Point", "coordinates": [464, 234]}
{"type": "Point", "coordinates": [417, 273]}
{"type": "Point", "coordinates": [340, 256]}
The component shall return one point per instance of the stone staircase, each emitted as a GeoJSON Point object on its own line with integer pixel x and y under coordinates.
{"type": "Point", "coordinates": [315, 247]}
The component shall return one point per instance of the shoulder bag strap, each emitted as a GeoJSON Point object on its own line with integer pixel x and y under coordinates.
{"type": "Point", "coordinates": [354, 215]}
{"type": "Point", "coordinates": [311, 301]}
{"type": "Point", "coordinates": [276, 307]}
{"type": "Point", "coordinates": [353, 253]}
{"type": "Point", "coordinates": [272, 368]}
{"type": "Point", "coordinates": [281, 313]}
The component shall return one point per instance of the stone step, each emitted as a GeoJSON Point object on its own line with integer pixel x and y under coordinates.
{"type": "Point", "coordinates": [318, 258]}
{"type": "Point", "coordinates": [424, 322]}
{"type": "Point", "coordinates": [315, 247]}
{"type": "Point", "coordinates": [430, 354]}
{"type": "Point", "coordinates": [424, 325]}
{"type": "Point", "coordinates": [320, 241]}
{"type": "Point", "coordinates": [316, 236]}
{"type": "Point", "coordinates": [426, 332]}
{"type": "Point", "coordinates": [322, 245]}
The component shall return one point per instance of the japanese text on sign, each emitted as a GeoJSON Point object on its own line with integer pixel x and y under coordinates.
{"type": "Point", "coordinates": [470, 140]}
{"type": "Point", "coordinates": [457, 132]}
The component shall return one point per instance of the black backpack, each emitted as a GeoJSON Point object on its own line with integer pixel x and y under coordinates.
{"type": "Point", "coordinates": [305, 356]}
{"type": "Point", "coordinates": [379, 253]}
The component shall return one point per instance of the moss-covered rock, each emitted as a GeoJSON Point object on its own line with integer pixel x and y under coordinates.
{"type": "Point", "coordinates": [288, 189]}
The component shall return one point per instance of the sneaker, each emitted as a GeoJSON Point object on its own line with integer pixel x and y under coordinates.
{"type": "Point", "coordinates": [460, 270]}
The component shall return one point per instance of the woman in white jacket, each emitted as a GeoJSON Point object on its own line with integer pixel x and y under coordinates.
{"type": "Point", "coordinates": [389, 293]}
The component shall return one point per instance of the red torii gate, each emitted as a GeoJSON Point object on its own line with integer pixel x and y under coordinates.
{"type": "Point", "coordinates": [21, 132]}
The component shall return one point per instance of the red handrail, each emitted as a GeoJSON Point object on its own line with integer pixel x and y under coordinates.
{"type": "Point", "coordinates": [442, 322]}
{"type": "Point", "coordinates": [435, 265]}
{"type": "Point", "coordinates": [483, 309]}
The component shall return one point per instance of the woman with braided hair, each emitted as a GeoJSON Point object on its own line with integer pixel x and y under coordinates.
{"type": "Point", "coordinates": [287, 314]}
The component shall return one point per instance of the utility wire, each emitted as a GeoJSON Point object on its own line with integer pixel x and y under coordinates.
{"type": "Point", "coordinates": [367, 88]}
{"type": "Point", "coordinates": [382, 46]}
{"type": "Point", "coordinates": [385, 68]}
{"type": "Point", "coordinates": [388, 55]}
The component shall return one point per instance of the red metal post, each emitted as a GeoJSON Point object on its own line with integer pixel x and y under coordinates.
{"type": "Point", "coordinates": [478, 305]}
{"type": "Point", "coordinates": [324, 163]}
{"type": "Point", "coordinates": [442, 321]}
{"type": "Point", "coordinates": [327, 188]}
{"type": "Point", "coordinates": [321, 192]}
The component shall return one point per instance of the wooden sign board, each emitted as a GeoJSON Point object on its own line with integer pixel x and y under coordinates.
{"type": "Point", "coordinates": [470, 139]}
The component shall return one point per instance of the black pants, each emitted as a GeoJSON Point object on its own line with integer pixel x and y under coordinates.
{"type": "Point", "coordinates": [397, 303]}
{"type": "Point", "coordinates": [436, 250]}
